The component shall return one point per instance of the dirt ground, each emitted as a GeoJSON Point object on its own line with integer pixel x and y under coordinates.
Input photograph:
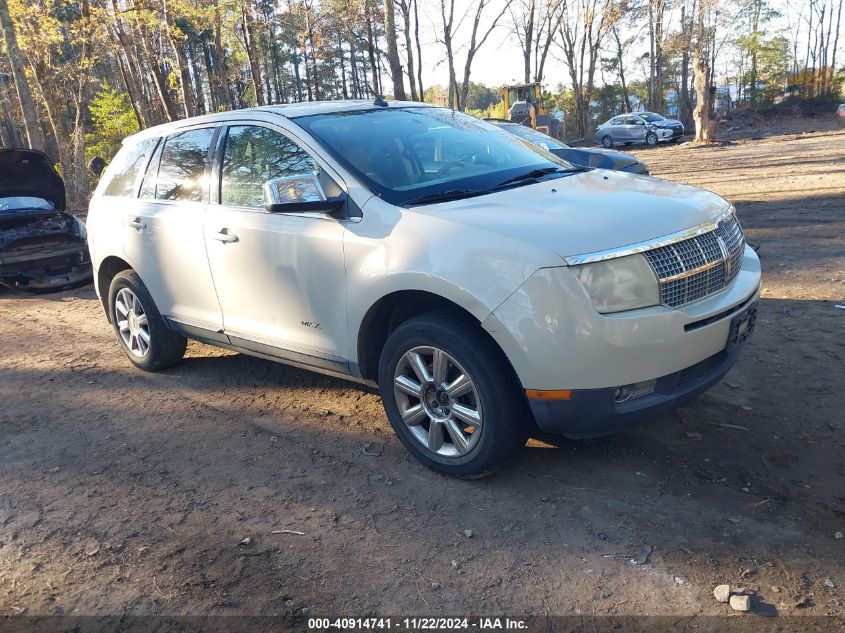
{"type": "Point", "coordinates": [129, 493]}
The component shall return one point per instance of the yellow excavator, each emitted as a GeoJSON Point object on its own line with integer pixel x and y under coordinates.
{"type": "Point", "coordinates": [524, 104]}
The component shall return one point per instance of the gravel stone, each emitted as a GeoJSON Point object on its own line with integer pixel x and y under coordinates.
{"type": "Point", "coordinates": [722, 593]}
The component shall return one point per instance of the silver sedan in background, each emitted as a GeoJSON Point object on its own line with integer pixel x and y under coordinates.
{"type": "Point", "coordinates": [638, 127]}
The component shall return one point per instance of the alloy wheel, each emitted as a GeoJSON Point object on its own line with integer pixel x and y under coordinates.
{"type": "Point", "coordinates": [438, 401]}
{"type": "Point", "coordinates": [132, 324]}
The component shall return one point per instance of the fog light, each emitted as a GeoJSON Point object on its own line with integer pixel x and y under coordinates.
{"type": "Point", "coordinates": [636, 390]}
{"type": "Point", "coordinates": [622, 394]}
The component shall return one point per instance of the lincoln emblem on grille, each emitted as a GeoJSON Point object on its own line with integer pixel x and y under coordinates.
{"type": "Point", "coordinates": [694, 268]}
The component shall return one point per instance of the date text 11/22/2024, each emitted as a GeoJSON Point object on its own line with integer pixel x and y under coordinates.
{"type": "Point", "coordinates": [417, 624]}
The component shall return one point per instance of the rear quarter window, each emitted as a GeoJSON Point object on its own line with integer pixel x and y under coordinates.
{"type": "Point", "coordinates": [126, 168]}
{"type": "Point", "coordinates": [180, 172]}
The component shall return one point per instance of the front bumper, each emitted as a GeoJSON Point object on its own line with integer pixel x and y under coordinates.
{"type": "Point", "coordinates": [555, 340]}
{"type": "Point", "coordinates": [594, 412]}
{"type": "Point", "coordinates": [46, 268]}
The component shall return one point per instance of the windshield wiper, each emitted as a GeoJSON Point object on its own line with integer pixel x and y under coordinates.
{"type": "Point", "coordinates": [536, 174]}
{"type": "Point", "coordinates": [443, 196]}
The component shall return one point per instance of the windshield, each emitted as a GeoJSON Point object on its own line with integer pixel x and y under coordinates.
{"type": "Point", "coordinates": [405, 155]}
{"type": "Point", "coordinates": [24, 203]}
{"type": "Point", "coordinates": [533, 136]}
{"type": "Point", "coordinates": [651, 117]}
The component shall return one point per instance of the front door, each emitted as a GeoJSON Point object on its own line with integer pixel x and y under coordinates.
{"type": "Point", "coordinates": [164, 230]}
{"type": "Point", "coordinates": [280, 277]}
{"type": "Point", "coordinates": [635, 129]}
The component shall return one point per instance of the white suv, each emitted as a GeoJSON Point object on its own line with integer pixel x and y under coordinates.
{"type": "Point", "coordinates": [488, 288]}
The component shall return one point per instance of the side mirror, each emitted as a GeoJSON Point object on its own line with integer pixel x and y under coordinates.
{"type": "Point", "coordinates": [96, 166]}
{"type": "Point", "coordinates": [297, 194]}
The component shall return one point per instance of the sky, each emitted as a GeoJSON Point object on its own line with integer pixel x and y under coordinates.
{"type": "Point", "coordinates": [500, 60]}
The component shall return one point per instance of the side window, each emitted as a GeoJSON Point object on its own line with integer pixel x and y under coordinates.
{"type": "Point", "coordinates": [254, 155]}
{"type": "Point", "coordinates": [148, 186]}
{"type": "Point", "coordinates": [126, 167]}
{"type": "Point", "coordinates": [181, 174]}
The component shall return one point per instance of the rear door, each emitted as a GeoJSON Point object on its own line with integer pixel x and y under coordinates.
{"type": "Point", "coordinates": [164, 231]}
{"type": "Point", "coordinates": [116, 198]}
{"type": "Point", "coordinates": [616, 129]}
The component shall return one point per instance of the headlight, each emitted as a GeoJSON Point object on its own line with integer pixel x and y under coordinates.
{"type": "Point", "coordinates": [624, 283]}
{"type": "Point", "coordinates": [81, 229]}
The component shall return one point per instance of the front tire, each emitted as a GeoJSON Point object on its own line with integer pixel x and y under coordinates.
{"type": "Point", "coordinates": [451, 396]}
{"type": "Point", "coordinates": [607, 141]}
{"type": "Point", "coordinates": [651, 139]}
{"type": "Point", "coordinates": [141, 331]}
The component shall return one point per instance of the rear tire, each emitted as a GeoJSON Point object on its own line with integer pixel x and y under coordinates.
{"type": "Point", "coordinates": [451, 396]}
{"type": "Point", "coordinates": [141, 331]}
{"type": "Point", "coordinates": [607, 141]}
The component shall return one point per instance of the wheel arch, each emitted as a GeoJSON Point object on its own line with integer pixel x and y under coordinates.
{"type": "Point", "coordinates": [388, 313]}
{"type": "Point", "coordinates": [394, 308]}
{"type": "Point", "coordinates": [107, 270]}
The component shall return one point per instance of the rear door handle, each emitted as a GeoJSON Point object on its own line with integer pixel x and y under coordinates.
{"type": "Point", "coordinates": [225, 237]}
{"type": "Point", "coordinates": [137, 224]}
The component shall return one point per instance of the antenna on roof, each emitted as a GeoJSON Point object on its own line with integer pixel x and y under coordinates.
{"type": "Point", "coordinates": [379, 100]}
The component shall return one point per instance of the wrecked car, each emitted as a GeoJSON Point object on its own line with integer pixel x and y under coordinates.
{"type": "Point", "coordinates": [42, 247]}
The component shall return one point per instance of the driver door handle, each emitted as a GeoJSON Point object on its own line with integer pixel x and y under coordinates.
{"type": "Point", "coordinates": [137, 224]}
{"type": "Point", "coordinates": [224, 236]}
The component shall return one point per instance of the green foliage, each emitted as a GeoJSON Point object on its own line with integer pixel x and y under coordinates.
{"type": "Point", "coordinates": [493, 111]}
{"type": "Point", "coordinates": [481, 97]}
{"type": "Point", "coordinates": [112, 120]}
{"type": "Point", "coordinates": [564, 99]}
{"type": "Point", "coordinates": [436, 94]}
{"type": "Point", "coordinates": [772, 64]}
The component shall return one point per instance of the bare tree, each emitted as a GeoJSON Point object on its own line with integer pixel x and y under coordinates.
{"type": "Point", "coordinates": [419, 49]}
{"type": "Point", "coordinates": [393, 50]}
{"type": "Point", "coordinates": [836, 38]}
{"type": "Point", "coordinates": [656, 17]}
{"type": "Point", "coordinates": [620, 68]}
{"type": "Point", "coordinates": [476, 41]}
{"type": "Point", "coordinates": [584, 26]}
{"type": "Point", "coordinates": [478, 36]}
{"type": "Point", "coordinates": [448, 34]}
{"type": "Point", "coordinates": [405, 8]}
{"type": "Point", "coordinates": [535, 25]}
{"type": "Point", "coordinates": [704, 132]}
{"type": "Point", "coordinates": [185, 87]}
{"type": "Point", "coordinates": [34, 135]}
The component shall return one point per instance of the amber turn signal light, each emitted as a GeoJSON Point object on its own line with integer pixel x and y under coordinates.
{"type": "Point", "coordinates": [539, 394]}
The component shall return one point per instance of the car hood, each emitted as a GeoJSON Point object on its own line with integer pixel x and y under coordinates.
{"type": "Point", "coordinates": [586, 212]}
{"type": "Point", "coordinates": [666, 123]}
{"type": "Point", "coordinates": [29, 173]}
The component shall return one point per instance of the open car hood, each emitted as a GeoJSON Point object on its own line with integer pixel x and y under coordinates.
{"type": "Point", "coordinates": [27, 172]}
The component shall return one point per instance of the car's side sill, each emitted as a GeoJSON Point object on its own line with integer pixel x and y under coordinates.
{"type": "Point", "coordinates": [330, 367]}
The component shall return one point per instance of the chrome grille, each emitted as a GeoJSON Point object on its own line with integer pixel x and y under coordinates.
{"type": "Point", "coordinates": [700, 266]}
